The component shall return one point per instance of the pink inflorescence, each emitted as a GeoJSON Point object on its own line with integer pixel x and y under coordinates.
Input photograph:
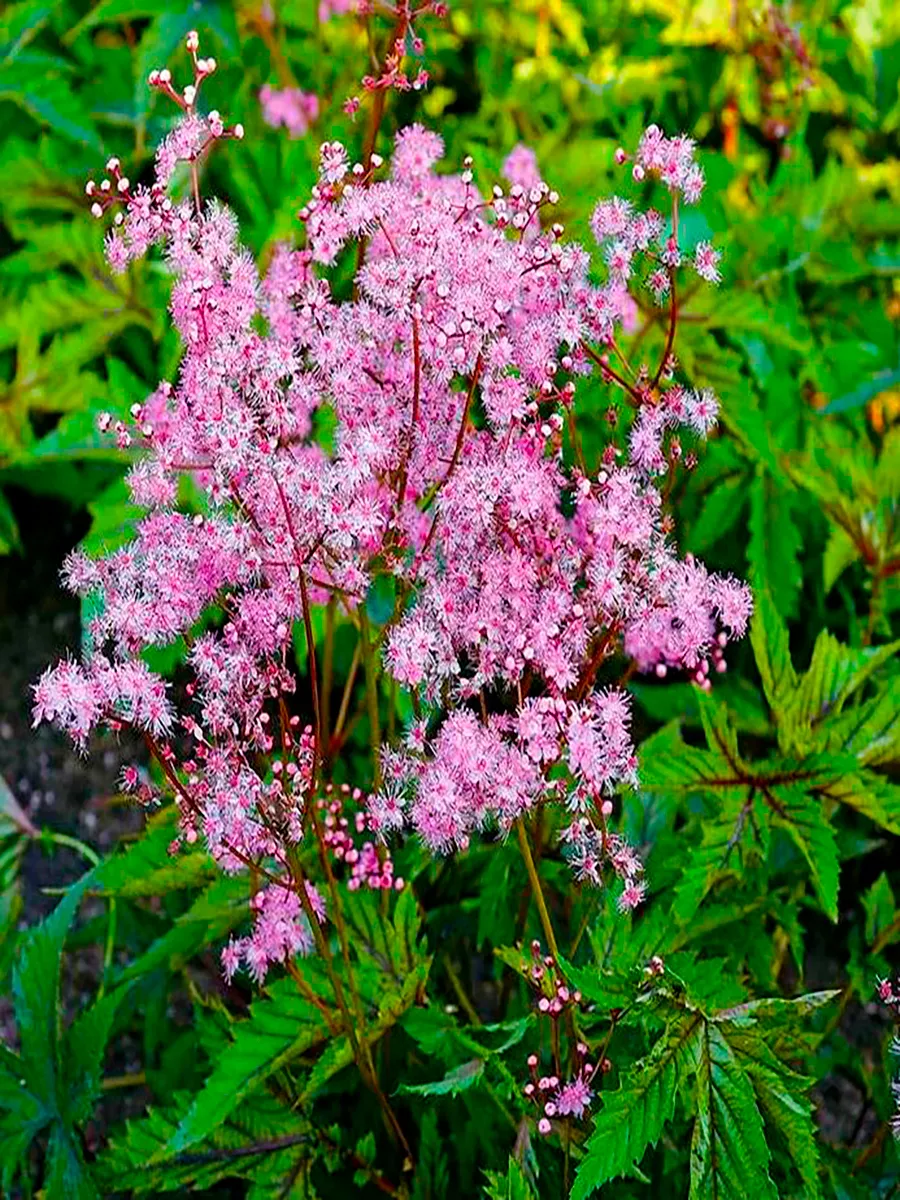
{"type": "Point", "coordinates": [281, 931]}
{"type": "Point", "coordinates": [371, 866]}
{"type": "Point", "coordinates": [147, 216]}
{"type": "Point", "coordinates": [554, 1098]}
{"type": "Point", "coordinates": [406, 39]}
{"type": "Point", "coordinates": [290, 107]}
{"type": "Point", "coordinates": [452, 376]}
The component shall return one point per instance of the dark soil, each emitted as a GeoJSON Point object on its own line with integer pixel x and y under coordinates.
{"type": "Point", "coordinates": [57, 787]}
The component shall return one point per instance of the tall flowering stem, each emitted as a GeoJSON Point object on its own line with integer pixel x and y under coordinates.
{"type": "Point", "coordinates": [453, 373]}
{"type": "Point", "coordinates": [537, 890]}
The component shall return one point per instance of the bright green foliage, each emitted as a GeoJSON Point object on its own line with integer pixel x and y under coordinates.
{"type": "Point", "coordinates": [724, 1068]}
{"type": "Point", "coordinates": [51, 1085]}
{"type": "Point", "coordinates": [793, 790]}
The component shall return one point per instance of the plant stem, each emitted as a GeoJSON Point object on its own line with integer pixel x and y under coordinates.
{"type": "Point", "coordinates": [371, 693]}
{"type": "Point", "coordinates": [465, 1003]}
{"type": "Point", "coordinates": [536, 889]}
{"type": "Point", "coordinates": [327, 677]}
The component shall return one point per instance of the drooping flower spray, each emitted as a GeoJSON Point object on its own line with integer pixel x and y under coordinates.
{"type": "Point", "coordinates": [520, 571]}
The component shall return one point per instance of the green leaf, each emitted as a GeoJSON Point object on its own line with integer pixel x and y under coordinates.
{"type": "Point", "coordinates": [880, 908]}
{"type": "Point", "coordinates": [36, 992]}
{"type": "Point", "coordinates": [147, 868]}
{"type": "Point", "coordinates": [667, 764]}
{"type": "Point", "coordinates": [512, 1185]}
{"type": "Point", "coordinates": [840, 552]}
{"type": "Point", "coordinates": [769, 638]}
{"type": "Point", "coordinates": [782, 1097]}
{"type": "Point", "coordinates": [872, 795]}
{"type": "Point", "coordinates": [809, 829]}
{"type": "Point", "coordinates": [212, 915]}
{"type": "Point", "coordinates": [136, 1160]}
{"type": "Point", "coordinates": [723, 834]}
{"type": "Point", "coordinates": [37, 1082]}
{"type": "Point", "coordinates": [108, 12]}
{"type": "Point", "coordinates": [632, 1118]}
{"type": "Point", "coordinates": [280, 1027]}
{"type": "Point", "coordinates": [729, 1154]}
{"type": "Point", "coordinates": [835, 673]}
{"type": "Point", "coordinates": [83, 1051]}
{"type": "Point", "coordinates": [432, 1177]}
{"type": "Point", "coordinates": [37, 83]}
{"type": "Point", "coordinates": [774, 547]}
{"type": "Point", "coordinates": [458, 1080]}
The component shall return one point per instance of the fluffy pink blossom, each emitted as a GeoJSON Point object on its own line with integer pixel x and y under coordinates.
{"type": "Point", "coordinates": [452, 376]}
{"type": "Point", "coordinates": [281, 930]}
{"type": "Point", "coordinates": [573, 1099]}
{"type": "Point", "coordinates": [290, 107]}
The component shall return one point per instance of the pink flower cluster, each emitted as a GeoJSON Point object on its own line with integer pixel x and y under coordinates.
{"type": "Point", "coordinates": [291, 107]}
{"type": "Point", "coordinates": [281, 931]}
{"type": "Point", "coordinates": [452, 375]}
{"type": "Point", "coordinates": [404, 39]}
{"type": "Point", "coordinates": [371, 866]}
{"type": "Point", "coordinates": [149, 216]}
{"type": "Point", "coordinates": [553, 1098]}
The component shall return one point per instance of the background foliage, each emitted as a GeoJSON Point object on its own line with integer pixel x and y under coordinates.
{"type": "Point", "coordinates": [767, 814]}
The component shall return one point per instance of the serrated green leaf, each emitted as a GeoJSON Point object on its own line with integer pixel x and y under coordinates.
{"type": "Point", "coordinates": [737, 815]}
{"type": "Point", "coordinates": [39, 1071]}
{"type": "Point", "coordinates": [147, 868]}
{"type": "Point", "coordinates": [729, 1153]}
{"type": "Point", "coordinates": [512, 1185]}
{"type": "Point", "coordinates": [458, 1080]}
{"type": "Point", "coordinates": [214, 913]}
{"type": "Point", "coordinates": [774, 547]}
{"type": "Point", "coordinates": [280, 1027]}
{"type": "Point", "coordinates": [633, 1117]}
{"type": "Point", "coordinates": [771, 648]}
{"type": "Point", "coordinates": [880, 908]}
{"type": "Point", "coordinates": [805, 822]}
{"type": "Point", "coordinates": [835, 673]}
{"type": "Point", "coordinates": [83, 1050]}
{"type": "Point", "coordinates": [840, 553]}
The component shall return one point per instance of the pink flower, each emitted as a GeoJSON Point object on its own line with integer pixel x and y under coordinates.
{"type": "Point", "coordinates": [706, 262]}
{"type": "Point", "coordinates": [574, 1098]}
{"type": "Point", "coordinates": [296, 110]}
